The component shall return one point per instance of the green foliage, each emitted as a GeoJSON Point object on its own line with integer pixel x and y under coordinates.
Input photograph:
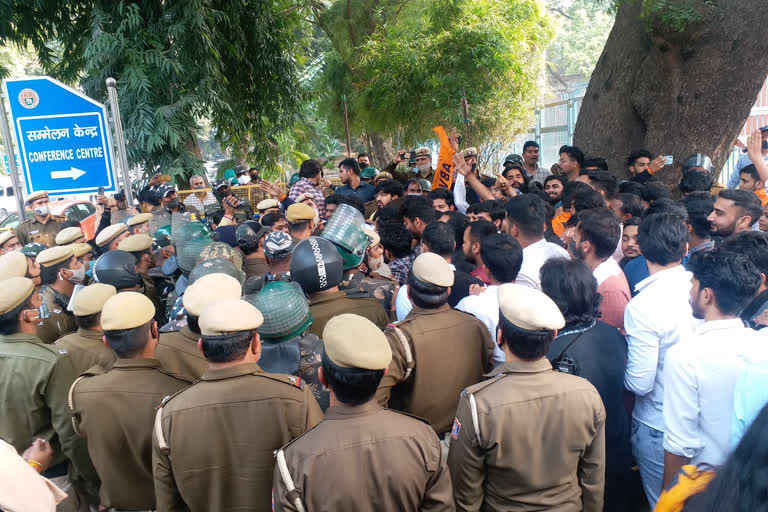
{"type": "Point", "coordinates": [582, 29]}
{"type": "Point", "coordinates": [673, 15]}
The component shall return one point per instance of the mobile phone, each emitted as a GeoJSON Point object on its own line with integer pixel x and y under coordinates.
{"type": "Point", "coordinates": [406, 155]}
{"type": "Point", "coordinates": [668, 160]}
{"type": "Point", "coordinates": [101, 191]}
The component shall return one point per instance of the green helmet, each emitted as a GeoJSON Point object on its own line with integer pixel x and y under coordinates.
{"type": "Point", "coordinates": [368, 173]}
{"type": "Point", "coordinates": [192, 231]}
{"type": "Point", "coordinates": [216, 266]}
{"type": "Point", "coordinates": [190, 240]}
{"type": "Point", "coordinates": [294, 178]}
{"type": "Point", "coordinates": [162, 236]}
{"type": "Point", "coordinates": [426, 186]}
{"type": "Point", "coordinates": [345, 230]}
{"type": "Point", "coordinates": [285, 310]}
{"type": "Point", "coordinates": [222, 250]}
{"type": "Point", "coordinates": [31, 250]}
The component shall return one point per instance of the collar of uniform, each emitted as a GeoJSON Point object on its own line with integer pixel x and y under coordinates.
{"type": "Point", "coordinates": [90, 334]}
{"type": "Point", "coordinates": [136, 363]}
{"type": "Point", "coordinates": [189, 334]}
{"type": "Point", "coordinates": [18, 337]}
{"type": "Point", "coordinates": [340, 412]}
{"type": "Point", "coordinates": [716, 325]}
{"type": "Point", "coordinates": [328, 297]}
{"type": "Point", "coordinates": [541, 365]}
{"type": "Point", "coordinates": [421, 311]}
{"type": "Point", "coordinates": [231, 371]}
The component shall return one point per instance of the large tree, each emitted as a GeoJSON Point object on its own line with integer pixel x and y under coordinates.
{"type": "Point", "coordinates": [675, 77]}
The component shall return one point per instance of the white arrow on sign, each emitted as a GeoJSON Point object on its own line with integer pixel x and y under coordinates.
{"type": "Point", "coordinates": [73, 173]}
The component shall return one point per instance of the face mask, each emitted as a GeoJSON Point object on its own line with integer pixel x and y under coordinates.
{"type": "Point", "coordinates": [42, 311]}
{"type": "Point", "coordinates": [78, 275]}
{"type": "Point", "coordinates": [244, 179]}
{"type": "Point", "coordinates": [424, 167]}
{"type": "Point", "coordinates": [765, 144]}
{"type": "Point", "coordinates": [42, 210]}
{"type": "Point", "coordinates": [89, 272]}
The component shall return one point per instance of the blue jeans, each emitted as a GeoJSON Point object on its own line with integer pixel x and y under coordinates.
{"type": "Point", "coordinates": [648, 449]}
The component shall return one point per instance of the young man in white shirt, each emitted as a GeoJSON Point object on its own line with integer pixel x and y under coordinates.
{"type": "Point", "coordinates": [657, 318]}
{"type": "Point", "coordinates": [502, 257]}
{"type": "Point", "coordinates": [701, 372]}
{"type": "Point", "coordinates": [526, 221]}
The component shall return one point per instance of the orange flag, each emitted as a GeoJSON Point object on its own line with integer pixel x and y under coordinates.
{"type": "Point", "coordinates": [444, 174]}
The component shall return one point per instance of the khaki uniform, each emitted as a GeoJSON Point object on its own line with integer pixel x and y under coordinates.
{"type": "Point", "coordinates": [360, 286]}
{"type": "Point", "coordinates": [34, 231]}
{"type": "Point", "coordinates": [213, 442]}
{"type": "Point", "coordinates": [254, 267]}
{"type": "Point", "coordinates": [86, 349]}
{"type": "Point", "coordinates": [150, 290]}
{"type": "Point", "coordinates": [538, 443]}
{"type": "Point", "coordinates": [336, 465]}
{"type": "Point", "coordinates": [326, 306]}
{"type": "Point", "coordinates": [60, 321]}
{"type": "Point", "coordinates": [448, 350]}
{"type": "Point", "coordinates": [177, 352]}
{"type": "Point", "coordinates": [114, 411]}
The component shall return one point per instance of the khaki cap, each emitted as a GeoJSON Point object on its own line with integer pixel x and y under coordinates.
{"type": "Point", "coordinates": [15, 291]}
{"type": "Point", "coordinates": [68, 235]}
{"type": "Point", "coordinates": [91, 299]}
{"type": "Point", "coordinates": [373, 237]}
{"type": "Point", "coordinates": [433, 269]}
{"type": "Point", "coordinates": [55, 255]}
{"type": "Point", "coordinates": [209, 289]}
{"type": "Point", "coordinates": [352, 341]}
{"type": "Point", "coordinates": [81, 249]}
{"type": "Point", "coordinates": [422, 151]}
{"type": "Point", "coordinates": [529, 309]}
{"type": "Point", "coordinates": [383, 176]}
{"type": "Point", "coordinates": [6, 235]}
{"type": "Point", "coordinates": [13, 264]}
{"type": "Point", "coordinates": [34, 196]}
{"type": "Point", "coordinates": [126, 310]}
{"type": "Point", "coordinates": [110, 233]}
{"type": "Point", "coordinates": [140, 219]}
{"type": "Point", "coordinates": [229, 316]}
{"type": "Point", "coordinates": [300, 212]}
{"type": "Point", "coordinates": [469, 152]}
{"type": "Point", "coordinates": [268, 203]}
{"type": "Point", "coordinates": [135, 243]}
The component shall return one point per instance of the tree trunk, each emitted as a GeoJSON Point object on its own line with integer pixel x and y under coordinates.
{"type": "Point", "coordinates": [675, 93]}
{"type": "Point", "coordinates": [380, 149]}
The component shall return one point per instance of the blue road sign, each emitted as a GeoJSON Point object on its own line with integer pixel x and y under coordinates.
{"type": "Point", "coordinates": [62, 137]}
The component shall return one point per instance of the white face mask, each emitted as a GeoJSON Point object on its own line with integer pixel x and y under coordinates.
{"type": "Point", "coordinates": [424, 167]}
{"type": "Point", "coordinates": [78, 275]}
{"type": "Point", "coordinates": [244, 179]}
{"type": "Point", "coordinates": [42, 210]}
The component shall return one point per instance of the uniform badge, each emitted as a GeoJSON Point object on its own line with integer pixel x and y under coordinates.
{"type": "Point", "coordinates": [455, 429]}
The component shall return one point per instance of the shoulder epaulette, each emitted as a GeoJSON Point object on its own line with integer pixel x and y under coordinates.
{"type": "Point", "coordinates": [291, 380]}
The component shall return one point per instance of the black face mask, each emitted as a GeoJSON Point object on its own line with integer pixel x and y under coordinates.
{"type": "Point", "coordinates": [765, 144]}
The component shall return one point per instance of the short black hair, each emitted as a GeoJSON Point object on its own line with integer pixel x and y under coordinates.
{"type": "Point", "coordinates": [525, 344]}
{"type": "Point", "coordinates": [193, 322]}
{"type": "Point", "coordinates": [695, 182]}
{"type": "Point", "coordinates": [88, 321]}
{"type": "Point", "coordinates": [503, 256]}
{"type": "Point", "coordinates": [353, 201]}
{"type": "Point", "coordinates": [574, 153]}
{"type": "Point", "coordinates": [667, 206]}
{"type": "Point", "coordinates": [655, 190]}
{"type": "Point", "coordinates": [663, 238]}
{"type": "Point", "coordinates": [480, 230]}
{"type": "Point", "coordinates": [396, 239]}
{"type": "Point", "coordinates": [630, 204]}
{"type": "Point", "coordinates": [298, 227]}
{"type": "Point", "coordinates": [414, 180]}
{"type": "Point", "coordinates": [363, 153]}
{"type": "Point", "coordinates": [600, 228]}
{"type": "Point", "coordinates": [458, 223]}
{"type": "Point", "coordinates": [488, 181]}
{"type": "Point", "coordinates": [753, 245]}
{"type": "Point", "coordinates": [390, 187]}
{"type": "Point", "coordinates": [572, 286]}
{"type": "Point", "coordinates": [558, 177]}
{"type": "Point", "coordinates": [733, 278]}
{"type": "Point", "coordinates": [351, 386]}
{"type": "Point", "coordinates": [530, 144]}
{"type": "Point", "coordinates": [128, 342]}
{"type": "Point", "coordinates": [747, 201]}
{"type": "Point", "coordinates": [441, 193]}
{"type": "Point", "coordinates": [605, 182]}
{"type": "Point", "coordinates": [571, 189]}
{"type": "Point", "coordinates": [49, 274]}
{"type": "Point", "coordinates": [226, 348]}
{"type": "Point", "coordinates": [149, 196]}
{"type": "Point", "coordinates": [699, 205]}
{"type": "Point", "coordinates": [529, 213]}
{"type": "Point", "coordinates": [269, 219]}
{"type": "Point", "coordinates": [351, 164]}
{"type": "Point", "coordinates": [440, 238]}
{"type": "Point", "coordinates": [632, 187]}
{"type": "Point", "coordinates": [598, 162]}
{"type": "Point", "coordinates": [586, 199]}
{"type": "Point", "coordinates": [426, 295]}
{"type": "Point", "coordinates": [310, 168]}
{"type": "Point", "coordinates": [418, 207]}
{"type": "Point", "coordinates": [70, 223]}
{"type": "Point", "coordinates": [9, 322]}
{"type": "Point", "coordinates": [751, 170]}
{"type": "Point", "coordinates": [632, 221]}
{"type": "Point", "coordinates": [635, 155]}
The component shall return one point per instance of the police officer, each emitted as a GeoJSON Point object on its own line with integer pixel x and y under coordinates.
{"type": "Point", "coordinates": [178, 351]}
{"type": "Point", "coordinates": [110, 237]}
{"type": "Point", "coordinates": [60, 271]}
{"type": "Point", "coordinates": [317, 266]}
{"type": "Point", "coordinates": [70, 235]}
{"type": "Point", "coordinates": [8, 241]}
{"type": "Point", "coordinates": [111, 416]}
{"type": "Point", "coordinates": [35, 378]}
{"type": "Point", "coordinates": [41, 228]}
{"type": "Point", "coordinates": [250, 235]}
{"type": "Point", "coordinates": [269, 205]}
{"type": "Point", "coordinates": [547, 428]}
{"type": "Point", "coordinates": [422, 158]}
{"type": "Point", "coordinates": [13, 264]}
{"type": "Point", "coordinates": [140, 246]}
{"type": "Point", "coordinates": [234, 418]}
{"type": "Point", "coordinates": [303, 220]}
{"type": "Point", "coordinates": [31, 251]}
{"type": "Point", "coordinates": [86, 347]}
{"type": "Point", "coordinates": [287, 346]}
{"type": "Point", "coordinates": [278, 247]}
{"type": "Point", "coordinates": [223, 193]}
{"type": "Point", "coordinates": [437, 351]}
{"type": "Point", "coordinates": [359, 435]}
{"type": "Point", "coordinates": [139, 223]}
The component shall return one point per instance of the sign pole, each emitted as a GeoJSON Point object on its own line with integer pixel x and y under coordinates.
{"type": "Point", "coordinates": [122, 157]}
{"type": "Point", "coordinates": [11, 159]}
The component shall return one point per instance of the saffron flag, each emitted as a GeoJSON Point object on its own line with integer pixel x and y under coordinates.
{"type": "Point", "coordinates": [444, 174]}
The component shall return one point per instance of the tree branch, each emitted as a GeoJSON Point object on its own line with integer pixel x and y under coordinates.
{"type": "Point", "coordinates": [560, 12]}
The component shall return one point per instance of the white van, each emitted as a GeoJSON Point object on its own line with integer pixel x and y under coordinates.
{"type": "Point", "coordinates": [7, 199]}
